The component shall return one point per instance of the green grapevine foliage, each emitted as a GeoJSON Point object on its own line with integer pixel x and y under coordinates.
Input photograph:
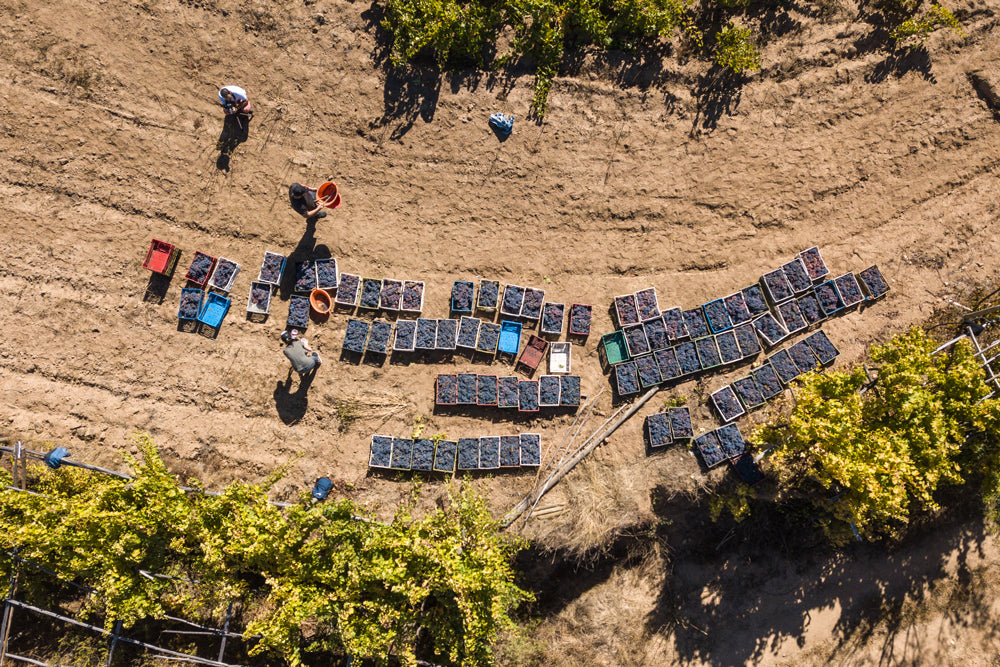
{"type": "Point", "coordinates": [918, 28]}
{"type": "Point", "coordinates": [879, 455]}
{"type": "Point", "coordinates": [453, 33]}
{"type": "Point", "coordinates": [735, 49]}
{"type": "Point", "coordinates": [360, 586]}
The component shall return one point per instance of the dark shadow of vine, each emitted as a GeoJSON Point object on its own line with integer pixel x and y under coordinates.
{"type": "Point", "coordinates": [718, 604]}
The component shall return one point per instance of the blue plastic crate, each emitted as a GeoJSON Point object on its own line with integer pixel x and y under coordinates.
{"type": "Point", "coordinates": [214, 310]}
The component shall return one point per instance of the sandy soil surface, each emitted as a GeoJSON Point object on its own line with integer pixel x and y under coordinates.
{"type": "Point", "coordinates": [640, 176]}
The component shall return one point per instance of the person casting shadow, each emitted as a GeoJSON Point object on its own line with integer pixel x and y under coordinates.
{"type": "Point", "coordinates": [235, 125]}
{"type": "Point", "coordinates": [304, 361]}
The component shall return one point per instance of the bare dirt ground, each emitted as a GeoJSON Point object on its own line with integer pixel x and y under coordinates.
{"type": "Point", "coordinates": [641, 175]}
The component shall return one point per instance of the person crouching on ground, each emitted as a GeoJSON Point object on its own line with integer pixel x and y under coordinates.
{"type": "Point", "coordinates": [234, 101]}
{"type": "Point", "coordinates": [304, 201]}
{"type": "Point", "coordinates": [303, 358]}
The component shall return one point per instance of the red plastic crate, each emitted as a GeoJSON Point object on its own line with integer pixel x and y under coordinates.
{"type": "Point", "coordinates": [161, 257]}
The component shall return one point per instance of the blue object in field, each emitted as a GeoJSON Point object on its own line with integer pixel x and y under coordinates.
{"type": "Point", "coordinates": [510, 336]}
{"type": "Point", "coordinates": [503, 124]}
{"type": "Point", "coordinates": [54, 458]}
{"type": "Point", "coordinates": [215, 309]}
{"type": "Point", "coordinates": [322, 488]}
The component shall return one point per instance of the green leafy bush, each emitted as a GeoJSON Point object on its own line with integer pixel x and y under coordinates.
{"type": "Point", "coordinates": [360, 586]}
{"type": "Point", "coordinates": [880, 455]}
{"type": "Point", "coordinates": [918, 28]}
{"type": "Point", "coordinates": [735, 49]}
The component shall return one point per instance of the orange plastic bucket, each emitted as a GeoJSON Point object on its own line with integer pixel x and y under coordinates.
{"type": "Point", "coordinates": [320, 301]}
{"type": "Point", "coordinates": [329, 195]}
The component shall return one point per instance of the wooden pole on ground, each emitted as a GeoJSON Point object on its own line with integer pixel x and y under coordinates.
{"type": "Point", "coordinates": [563, 470]}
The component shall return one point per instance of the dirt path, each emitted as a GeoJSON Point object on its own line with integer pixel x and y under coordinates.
{"type": "Point", "coordinates": [108, 138]}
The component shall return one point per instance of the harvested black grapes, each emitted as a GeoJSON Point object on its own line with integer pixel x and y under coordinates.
{"type": "Point", "coordinates": [413, 296]}
{"type": "Point", "coordinates": [270, 270]}
{"type": "Point", "coordinates": [354, 337]}
{"type": "Point", "coordinates": [729, 349]}
{"type": "Point", "coordinates": [873, 281]}
{"type": "Point", "coordinates": [813, 261]}
{"type": "Point", "coordinates": [552, 317]}
{"type": "Point", "coordinates": [507, 392]}
{"type": "Point", "coordinates": [548, 390]}
{"type": "Point", "coordinates": [628, 312]}
{"type": "Point", "coordinates": [708, 447]}
{"type": "Point", "coordinates": [797, 276]}
{"type": "Point", "coordinates": [468, 332]}
{"type": "Point", "coordinates": [326, 274]}
{"type": "Point", "coordinates": [347, 289]}
{"type": "Point", "coordinates": [656, 334]}
{"type": "Point", "coordinates": [754, 298]}
{"type": "Point", "coordinates": [579, 319]}
{"type": "Point", "coordinates": [769, 329]}
{"type": "Point", "coordinates": [717, 315]}
{"type": "Point", "coordinates": [666, 361]}
{"type": "Point", "coordinates": [531, 307]}
{"type": "Point", "coordinates": [749, 392]}
{"type": "Point", "coordinates": [649, 372]}
{"type": "Point", "coordinates": [391, 294]}
{"type": "Point", "coordinates": [298, 312]}
{"type": "Point", "coordinates": [513, 299]}
{"type": "Point", "coordinates": [200, 266]}
{"type": "Point", "coordinates": [777, 285]}
{"type": "Point", "coordinates": [708, 352]}
{"type": "Point", "coordinates": [378, 340]}
{"type": "Point", "coordinates": [697, 325]}
{"type": "Point", "coordinates": [489, 293]}
{"type": "Point", "coordinates": [468, 388]}
{"type": "Point", "coordinates": [673, 322]}
{"type": "Point", "coordinates": [635, 337]}
{"type": "Point", "coordinates": [260, 296]}
{"type": "Point", "coordinates": [736, 306]}
{"type": "Point", "coordinates": [305, 276]}
{"type": "Point", "coordinates": [510, 451]}
{"type": "Point", "coordinates": [803, 356]}
{"type": "Point", "coordinates": [784, 366]}
{"type": "Point", "coordinates": [406, 332]}
{"type": "Point", "coordinates": [646, 304]}
{"type": "Point", "coordinates": [850, 291]}
{"type": "Point", "coordinates": [680, 423]}
{"type": "Point", "coordinates": [627, 378]}
{"type": "Point", "coordinates": [531, 451]}
{"type": "Point", "coordinates": [569, 390]}
{"type": "Point", "coordinates": [190, 303]}
{"type": "Point", "coordinates": [486, 391]}
{"type": "Point", "coordinates": [527, 395]}
{"type": "Point", "coordinates": [768, 381]}
{"type": "Point", "coordinates": [829, 298]}
{"type": "Point", "coordinates": [446, 390]}
{"type": "Point", "coordinates": [658, 429]}
{"type": "Point", "coordinates": [726, 403]}
{"type": "Point", "coordinates": [371, 289]}
{"type": "Point", "coordinates": [461, 296]}
{"type": "Point", "coordinates": [687, 358]}
{"type": "Point", "coordinates": [224, 272]}
{"type": "Point", "coordinates": [731, 440]}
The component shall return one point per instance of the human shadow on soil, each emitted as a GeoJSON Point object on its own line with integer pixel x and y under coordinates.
{"type": "Point", "coordinates": [235, 131]}
{"type": "Point", "coordinates": [291, 406]}
{"type": "Point", "coordinates": [732, 592]}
